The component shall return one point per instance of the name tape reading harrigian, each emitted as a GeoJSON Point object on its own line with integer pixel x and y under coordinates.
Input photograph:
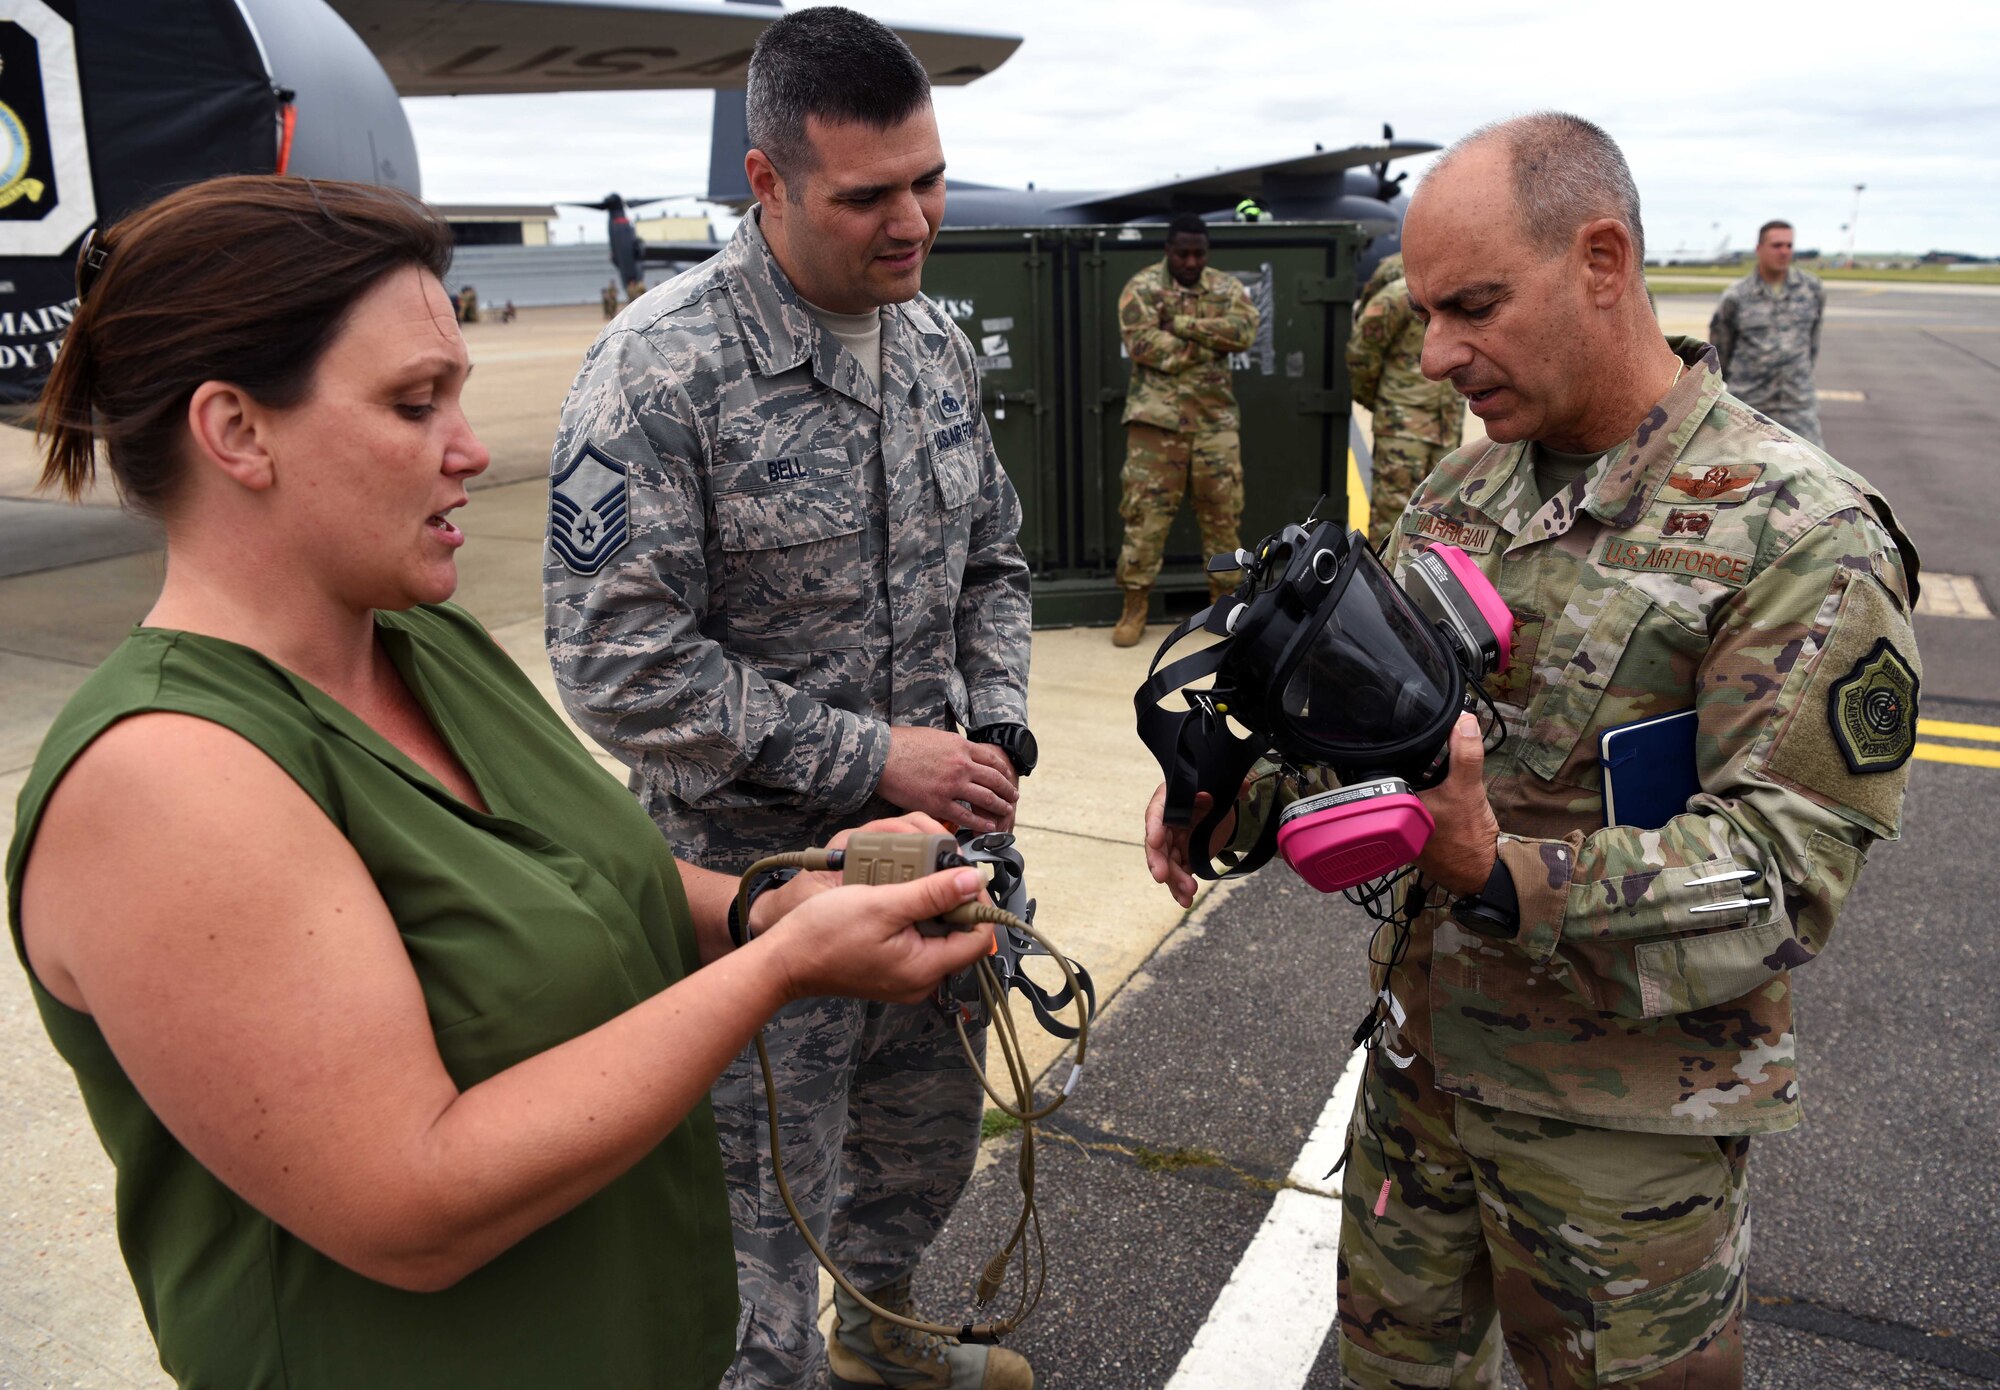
{"type": "Point", "coordinates": [1471, 536]}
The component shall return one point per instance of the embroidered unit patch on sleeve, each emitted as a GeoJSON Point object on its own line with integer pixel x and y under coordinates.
{"type": "Point", "coordinates": [1873, 710]}
{"type": "Point", "coordinates": [589, 511]}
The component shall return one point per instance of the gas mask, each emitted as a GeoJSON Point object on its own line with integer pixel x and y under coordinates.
{"type": "Point", "coordinates": [1322, 660]}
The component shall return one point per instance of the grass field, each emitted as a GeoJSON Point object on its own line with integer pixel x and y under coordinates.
{"type": "Point", "coordinates": [1715, 276]}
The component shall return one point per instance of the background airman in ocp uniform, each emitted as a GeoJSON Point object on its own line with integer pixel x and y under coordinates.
{"type": "Point", "coordinates": [1417, 421]}
{"type": "Point", "coordinates": [1180, 320]}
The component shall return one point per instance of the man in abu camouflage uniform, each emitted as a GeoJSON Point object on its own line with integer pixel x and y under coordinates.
{"type": "Point", "coordinates": [1417, 421]}
{"type": "Point", "coordinates": [782, 575]}
{"type": "Point", "coordinates": [1766, 334]}
{"type": "Point", "coordinates": [1180, 320]}
{"type": "Point", "coordinates": [1588, 1022]}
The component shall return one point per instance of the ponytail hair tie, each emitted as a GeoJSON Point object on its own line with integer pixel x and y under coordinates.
{"type": "Point", "coordinates": [90, 259]}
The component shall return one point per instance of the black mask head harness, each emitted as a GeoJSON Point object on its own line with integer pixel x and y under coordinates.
{"type": "Point", "coordinates": [1320, 659]}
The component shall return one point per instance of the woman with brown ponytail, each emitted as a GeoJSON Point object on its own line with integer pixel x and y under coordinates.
{"type": "Point", "coordinates": [386, 1001]}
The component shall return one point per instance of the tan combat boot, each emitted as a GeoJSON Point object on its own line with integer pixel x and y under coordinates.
{"type": "Point", "coordinates": [1132, 622]}
{"type": "Point", "coordinates": [867, 1351]}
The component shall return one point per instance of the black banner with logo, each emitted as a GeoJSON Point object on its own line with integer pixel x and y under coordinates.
{"type": "Point", "coordinates": [104, 106]}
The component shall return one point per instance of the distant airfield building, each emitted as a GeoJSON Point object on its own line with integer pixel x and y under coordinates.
{"type": "Point", "coordinates": [674, 229]}
{"type": "Point", "coordinates": [497, 224]}
{"type": "Point", "coordinates": [506, 252]}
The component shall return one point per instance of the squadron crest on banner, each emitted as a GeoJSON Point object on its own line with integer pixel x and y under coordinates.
{"type": "Point", "coordinates": [17, 150]}
{"type": "Point", "coordinates": [589, 510]}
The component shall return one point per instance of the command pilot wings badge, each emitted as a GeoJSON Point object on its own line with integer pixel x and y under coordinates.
{"type": "Point", "coordinates": [589, 510]}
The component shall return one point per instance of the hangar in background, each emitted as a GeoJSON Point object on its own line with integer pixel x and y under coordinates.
{"type": "Point", "coordinates": [497, 224]}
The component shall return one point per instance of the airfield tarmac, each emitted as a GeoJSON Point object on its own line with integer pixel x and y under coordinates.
{"type": "Point", "coordinates": [1189, 1238]}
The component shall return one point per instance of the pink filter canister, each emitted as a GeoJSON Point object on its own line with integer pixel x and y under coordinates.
{"type": "Point", "coordinates": [1484, 596]}
{"type": "Point", "coordinates": [1347, 837]}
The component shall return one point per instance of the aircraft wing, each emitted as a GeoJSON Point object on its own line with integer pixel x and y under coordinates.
{"type": "Point", "coordinates": [1227, 186]}
{"type": "Point", "coordinates": [465, 47]}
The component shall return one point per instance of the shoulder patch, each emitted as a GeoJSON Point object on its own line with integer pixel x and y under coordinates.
{"type": "Point", "coordinates": [1722, 482]}
{"type": "Point", "coordinates": [1873, 710]}
{"type": "Point", "coordinates": [589, 510]}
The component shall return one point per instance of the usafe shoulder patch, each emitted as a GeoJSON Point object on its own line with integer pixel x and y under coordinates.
{"type": "Point", "coordinates": [1873, 710]}
{"type": "Point", "coordinates": [1474, 537]}
{"type": "Point", "coordinates": [1722, 482]}
{"type": "Point", "coordinates": [1865, 680]}
{"type": "Point", "coordinates": [1669, 557]}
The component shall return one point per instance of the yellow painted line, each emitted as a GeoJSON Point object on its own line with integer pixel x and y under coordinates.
{"type": "Point", "coordinates": [1357, 497]}
{"type": "Point", "coordinates": [1945, 728]}
{"type": "Point", "coordinates": [1965, 757]}
{"type": "Point", "coordinates": [1952, 596]}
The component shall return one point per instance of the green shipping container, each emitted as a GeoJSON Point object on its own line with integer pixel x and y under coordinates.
{"type": "Point", "coordinates": [1041, 307]}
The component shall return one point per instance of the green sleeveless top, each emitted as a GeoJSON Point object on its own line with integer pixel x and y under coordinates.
{"type": "Point", "coordinates": [526, 927]}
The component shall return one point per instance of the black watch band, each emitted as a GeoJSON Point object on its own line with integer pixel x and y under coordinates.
{"type": "Point", "coordinates": [1494, 910]}
{"type": "Point", "coordinates": [739, 930]}
{"type": "Point", "coordinates": [1012, 739]}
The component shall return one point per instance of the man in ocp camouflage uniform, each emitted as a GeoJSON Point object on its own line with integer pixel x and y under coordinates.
{"type": "Point", "coordinates": [1416, 421]}
{"type": "Point", "coordinates": [1589, 1022]}
{"type": "Point", "coordinates": [1180, 320]}
{"type": "Point", "coordinates": [782, 576]}
{"type": "Point", "coordinates": [1766, 335]}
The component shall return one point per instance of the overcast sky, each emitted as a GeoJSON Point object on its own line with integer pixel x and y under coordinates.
{"type": "Point", "coordinates": [1728, 115]}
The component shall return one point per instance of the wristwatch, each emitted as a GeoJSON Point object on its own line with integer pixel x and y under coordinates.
{"type": "Point", "coordinates": [1494, 910]}
{"type": "Point", "coordinates": [739, 930]}
{"type": "Point", "coordinates": [1012, 739]}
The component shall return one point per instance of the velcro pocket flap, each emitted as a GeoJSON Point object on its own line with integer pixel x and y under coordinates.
{"type": "Point", "coordinates": [810, 497]}
{"type": "Point", "coordinates": [1563, 707]}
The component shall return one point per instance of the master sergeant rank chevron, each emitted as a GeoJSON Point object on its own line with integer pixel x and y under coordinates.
{"type": "Point", "coordinates": [588, 511]}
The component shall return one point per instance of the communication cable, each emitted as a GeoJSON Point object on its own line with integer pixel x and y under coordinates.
{"type": "Point", "coordinates": [936, 853]}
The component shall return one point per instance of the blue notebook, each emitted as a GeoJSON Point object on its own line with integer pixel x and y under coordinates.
{"type": "Point", "coordinates": [1648, 769]}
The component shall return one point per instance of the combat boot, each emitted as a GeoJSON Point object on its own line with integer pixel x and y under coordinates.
{"type": "Point", "coordinates": [1132, 622]}
{"type": "Point", "coordinates": [867, 1351]}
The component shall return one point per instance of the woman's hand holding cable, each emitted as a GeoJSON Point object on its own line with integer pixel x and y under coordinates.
{"type": "Point", "coordinates": [862, 942]}
{"type": "Point", "coordinates": [1462, 849]}
{"type": "Point", "coordinates": [773, 904]}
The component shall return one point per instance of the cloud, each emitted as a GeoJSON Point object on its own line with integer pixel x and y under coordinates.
{"type": "Point", "coordinates": [1723, 122]}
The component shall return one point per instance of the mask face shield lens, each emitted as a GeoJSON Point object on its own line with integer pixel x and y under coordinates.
{"type": "Point", "coordinates": [1371, 675]}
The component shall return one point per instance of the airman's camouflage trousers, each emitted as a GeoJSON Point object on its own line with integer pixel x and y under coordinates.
{"type": "Point", "coordinates": [1160, 465]}
{"type": "Point", "coordinates": [1605, 1256]}
{"type": "Point", "coordinates": [1803, 423]}
{"type": "Point", "coordinates": [878, 1115]}
{"type": "Point", "coordinates": [1400, 464]}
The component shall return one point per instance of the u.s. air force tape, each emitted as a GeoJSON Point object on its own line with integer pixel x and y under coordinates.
{"type": "Point", "coordinates": [1873, 710]}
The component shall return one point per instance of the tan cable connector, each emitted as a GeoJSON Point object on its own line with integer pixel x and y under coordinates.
{"type": "Point", "coordinates": [877, 857]}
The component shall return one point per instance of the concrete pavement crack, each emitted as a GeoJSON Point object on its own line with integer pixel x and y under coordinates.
{"type": "Point", "coordinates": [1940, 1349]}
{"type": "Point", "coordinates": [1958, 347]}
